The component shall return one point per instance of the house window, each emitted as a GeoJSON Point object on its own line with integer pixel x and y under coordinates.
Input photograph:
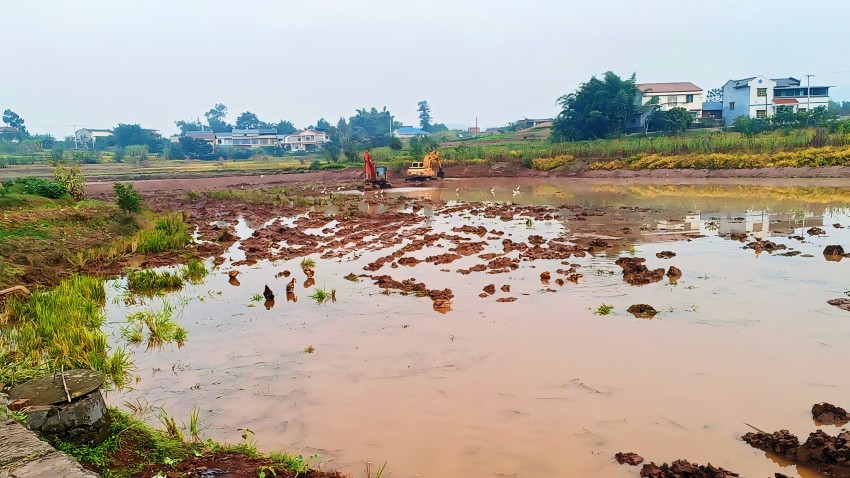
{"type": "Point", "coordinates": [761, 114]}
{"type": "Point", "coordinates": [671, 100]}
{"type": "Point", "coordinates": [761, 92]}
{"type": "Point", "coordinates": [689, 98]}
{"type": "Point", "coordinates": [731, 106]}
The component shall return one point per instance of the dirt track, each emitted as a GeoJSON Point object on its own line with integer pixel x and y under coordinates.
{"type": "Point", "coordinates": [504, 170]}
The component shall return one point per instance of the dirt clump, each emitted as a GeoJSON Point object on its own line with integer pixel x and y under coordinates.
{"type": "Point", "coordinates": [829, 414]}
{"type": "Point", "coordinates": [635, 273]}
{"type": "Point", "coordinates": [506, 288]}
{"type": "Point", "coordinates": [642, 311]}
{"type": "Point", "coordinates": [665, 254]}
{"type": "Point", "coordinates": [490, 289]}
{"type": "Point", "coordinates": [841, 303]}
{"type": "Point", "coordinates": [674, 273]}
{"type": "Point", "coordinates": [790, 253]}
{"type": "Point", "coordinates": [684, 469]}
{"type": "Point", "coordinates": [760, 245]}
{"type": "Point", "coordinates": [632, 459]}
{"type": "Point", "coordinates": [352, 277]}
{"type": "Point", "coordinates": [738, 236]}
{"type": "Point", "coordinates": [536, 239]}
{"type": "Point", "coordinates": [600, 243]}
{"type": "Point", "coordinates": [479, 231]}
{"type": "Point", "coordinates": [833, 250]}
{"type": "Point", "coordinates": [545, 276]}
{"type": "Point", "coordinates": [829, 455]}
{"type": "Point", "coordinates": [503, 263]}
{"type": "Point", "coordinates": [838, 226]}
{"type": "Point", "coordinates": [815, 231]}
{"type": "Point", "coordinates": [506, 299]}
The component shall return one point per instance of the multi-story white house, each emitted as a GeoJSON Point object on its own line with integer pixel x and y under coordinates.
{"type": "Point", "coordinates": [760, 97]}
{"type": "Point", "coordinates": [254, 138]}
{"type": "Point", "coordinates": [680, 94]}
{"type": "Point", "coordinates": [87, 137]}
{"type": "Point", "coordinates": [304, 140]}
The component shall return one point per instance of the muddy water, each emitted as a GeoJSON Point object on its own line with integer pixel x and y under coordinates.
{"type": "Point", "coordinates": [541, 387]}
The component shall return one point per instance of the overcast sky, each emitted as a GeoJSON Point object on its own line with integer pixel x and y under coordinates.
{"type": "Point", "coordinates": [98, 63]}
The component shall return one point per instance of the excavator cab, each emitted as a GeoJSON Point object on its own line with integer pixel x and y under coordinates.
{"type": "Point", "coordinates": [429, 168]}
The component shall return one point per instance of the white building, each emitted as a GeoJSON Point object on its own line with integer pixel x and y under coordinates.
{"type": "Point", "coordinates": [87, 137]}
{"type": "Point", "coordinates": [224, 139]}
{"type": "Point", "coordinates": [254, 138]}
{"type": "Point", "coordinates": [760, 97]}
{"type": "Point", "coordinates": [680, 94]}
{"type": "Point", "coordinates": [304, 140]}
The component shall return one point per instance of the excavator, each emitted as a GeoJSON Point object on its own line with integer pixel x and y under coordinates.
{"type": "Point", "coordinates": [429, 168]}
{"type": "Point", "coordinates": [376, 176]}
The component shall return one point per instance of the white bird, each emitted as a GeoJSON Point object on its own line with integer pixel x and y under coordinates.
{"type": "Point", "coordinates": [516, 191]}
{"type": "Point", "coordinates": [457, 189]}
{"type": "Point", "coordinates": [262, 176]}
{"type": "Point", "coordinates": [492, 190]}
{"type": "Point", "coordinates": [338, 188]}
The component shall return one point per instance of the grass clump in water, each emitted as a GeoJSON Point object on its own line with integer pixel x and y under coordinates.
{"type": "Point", "coordinates": [151, 282]}
{"type": "Point", "coordinates": [160, 325]}
{"type": "Point", "coordinates": [171, 233]}
{"type": "Point", "coordinates": [256, 297]}
{"type": "Point", "coordinates": [56, 329]}
{"type": "Point", "coordinates": [195, 271]}
{"type": "Point", "coordinates": [308, 263]}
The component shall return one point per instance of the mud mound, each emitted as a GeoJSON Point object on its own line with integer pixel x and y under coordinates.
{"type": "Point", "coordinates": [506, 299]}
{"type": "Point", "coordinates": [829, 414]}
{"type": "Point", "coordinates": [479, 231]}
{"type": "Point", "coordinates": [665, 254]}
{"type": "Point", "coordinates": [684, 469]}
{"type": "Point", "coordinates": [490, 289]}
{"type": "Point", "coordinates": [842, 303]}
{"type": "Point", "coordinates": [632, 459]}
{"type": "Point", "coordinates": [642, 311]}
{"type": "Point", "coordinates": [833, 250]}
{"type": "Point", "coordinates": [635, 273]}
{"type": "Point", "coordinates": [674, 273]}
{"type": "Point", "coordinates": [829, 455]}
{"type": "Point", "coordinates": [816, 231]}
{"type": "Point", "coordinates": [760, 245]}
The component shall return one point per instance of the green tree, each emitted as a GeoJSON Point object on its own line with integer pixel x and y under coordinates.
{"type": "Point", "coordinates": [195, 148]}
{"type": "Point", "coordinates": [424, 116]}
{"type": "Point", "coordinates": [371, 127]}
{"type": "Point", "coordinates": [678, 119]}
{"type": "Point", "coordinates": [187, 126]}
{"type": "Point", "coordinates": [714, 95]}
{"type": "Point", "coordinates": [248, 120]}
{"type": "Point", "coordinates": [785, 117]}
{"type": "Point", "coordinates": [127, 197]}
{"type": "Point", "coordinates": [125, 135]}
{"type": "Point", "coordinates": [12, 119]}
{"type": "Point", "coordinates": [749, 126]}
{"type": "Point", "coordinates": [285, 127]}
{"type": "Point", "coordinates": [215, 118]}
{"type": "Point", "coordinates": [598, 109]}
{"type": "Point", "coordinates": [72, 179]}
{"type": "Point", "coordinates": [322, 125]}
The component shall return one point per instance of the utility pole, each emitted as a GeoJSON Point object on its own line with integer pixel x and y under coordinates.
{"type": "Point", "coordinates": [75, 136]}
{"type": "Point", "coordinates": [808, 98]}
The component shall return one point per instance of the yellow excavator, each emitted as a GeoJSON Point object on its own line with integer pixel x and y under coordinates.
{"type": "Point", "coordinates": [429, 168]}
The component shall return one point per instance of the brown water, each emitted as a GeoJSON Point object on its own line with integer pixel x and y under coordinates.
{"type": "Point", "coordinates": [541, 387]}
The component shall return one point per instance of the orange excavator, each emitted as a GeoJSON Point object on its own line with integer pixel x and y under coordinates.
{"type": "Point", "coordinates": [376, 176]}
{"type": "Point", "coordinates": [430, 168]}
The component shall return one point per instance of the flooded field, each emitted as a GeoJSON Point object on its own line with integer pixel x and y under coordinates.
{"type": "Point", "coordinates": [461, 384]}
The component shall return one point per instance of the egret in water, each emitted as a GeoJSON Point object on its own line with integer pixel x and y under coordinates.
{"type": "Point", "coordinates": [516, 191]}
{"type": "Point", "coordinates": [493, 190]}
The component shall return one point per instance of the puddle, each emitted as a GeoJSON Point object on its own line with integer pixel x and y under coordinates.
{"type": "Point", "coordinates": [540, 386]}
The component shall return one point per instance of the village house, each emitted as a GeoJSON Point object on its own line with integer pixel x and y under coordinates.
{"type": "Point", "coordinates": [526, 123]}
{"type": "Point", "coordinates": [407, 132]}
{"type": "Point", "coordinates": [680, 94]}
{"type": "Point", "coordinates": [87, 137]}
{"type": "Point", "coordinates": [304, 140]}
{"type": "Point", "coordinates": [760, 97]}
{"type": "Point", "coordinates": [254, 138]}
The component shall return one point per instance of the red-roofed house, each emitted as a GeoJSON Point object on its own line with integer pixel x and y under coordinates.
{"type": "Point", "coordinates": [678, 94]}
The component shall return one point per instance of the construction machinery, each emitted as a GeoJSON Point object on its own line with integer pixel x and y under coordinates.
{"type": "Point", "coordinates": [429, 168]}
{"type": "Point", "coordinates": [375, 176]}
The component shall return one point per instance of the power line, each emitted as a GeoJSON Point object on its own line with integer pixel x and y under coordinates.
{"type": "Point", "coordinates": [831, 73]}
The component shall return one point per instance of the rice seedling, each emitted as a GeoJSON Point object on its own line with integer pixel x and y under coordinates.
{"type": "Point", "coordinates": [195, 271]}
{"type": "Point", "coordinates": [256, 297]}
{"type": "Point", "coordinates": [193, 423]}
{"type": "Point", "coordinates": [308, 263]}
{"type": "Point", "coordinates": [150, 282]}
{"type": "Point", "coordinates": [171, 429]}
{"type": "Point", "coordinates": [59, 328]}
{"type": "Point", "coordinates": [320, 296]}
{"type": "Point", "coordinates": [170, 234]}
{"type": "Point", "coordinates": [604, 309]}
{"type": "Point", "coordinates": [309, 349]}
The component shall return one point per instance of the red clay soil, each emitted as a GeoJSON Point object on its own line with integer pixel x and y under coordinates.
{"type": "Point", "coordinates": [829, 414]}
{"type": "Point", "coordinates": [684, 469]}
{"type": "Point", "coordinates": [228, 465]}
{"type": "Point", "coordinates": [829, 455]}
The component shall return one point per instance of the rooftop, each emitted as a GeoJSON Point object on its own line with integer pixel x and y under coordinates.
{"type": "Point", "coordinates": [255, 131]}
{"type": "Point", "coordinates": [673, 87]}
{"type": "Point", "coordinates": [712, 105]}
{"type": "Point", "coordinates": [410, 130]}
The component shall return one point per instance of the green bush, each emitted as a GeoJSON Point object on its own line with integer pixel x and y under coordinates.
{"type": "Point", "coordinates": [128, 198]}
{"type": "Point", "coordinates": [40, 187]}
{"type": "Point", "coordinates": [315, 165]}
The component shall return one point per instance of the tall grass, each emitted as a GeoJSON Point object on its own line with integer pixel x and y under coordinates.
{"type": "Point", "coordinates": [150, 282]}
{"type": "Point", "coordinates": [59, 328]}
{"type": "Point", "coordinates": [170, 234]}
